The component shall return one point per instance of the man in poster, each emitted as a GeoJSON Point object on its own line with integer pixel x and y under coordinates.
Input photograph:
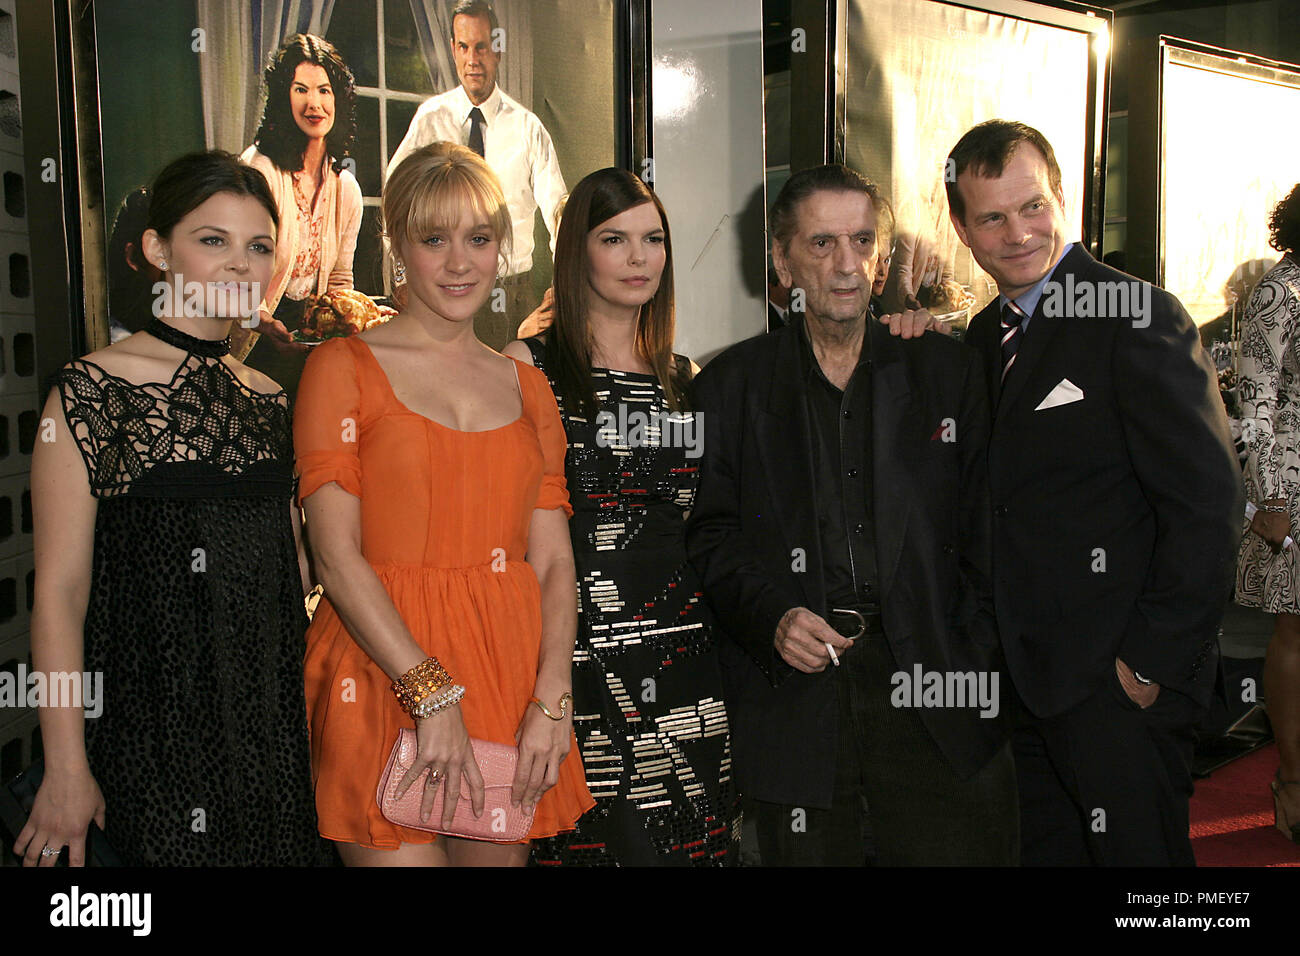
{"type": "Point", "coordinates": [1117, 503]}
{"type": "Point", "coordinates": [514, 144]}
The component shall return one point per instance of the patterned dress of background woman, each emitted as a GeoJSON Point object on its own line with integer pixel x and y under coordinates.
{"type": "Point", "coordinates": [648, 710]}
{"type": "Point", "coordinates": [1269, 390]}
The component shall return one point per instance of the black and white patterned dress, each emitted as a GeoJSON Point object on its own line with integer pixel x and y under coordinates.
{"type": "Point", "coordinates": [195, 616]}
{"type": "Point", "coordinates": [650, 720]}
{"type": "Point", "coordinates": [1269, 391]}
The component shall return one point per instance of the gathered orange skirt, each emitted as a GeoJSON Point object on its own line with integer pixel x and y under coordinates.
{"type": "Point", "coordinates": [484, 627]}
{"type": "Point", "coordinates": [445, 522]}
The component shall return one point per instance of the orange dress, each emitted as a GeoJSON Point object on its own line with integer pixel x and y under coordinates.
{"type": "Point", "coordinates": [444, 524]}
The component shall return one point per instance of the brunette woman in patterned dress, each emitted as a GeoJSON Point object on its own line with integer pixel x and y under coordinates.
{"type": "Point", "coordinates": [647, 688]}
{"type": "Point", "coordinates": [1266, 571]}
{"type": "Point", "coordinates": [168, 560]}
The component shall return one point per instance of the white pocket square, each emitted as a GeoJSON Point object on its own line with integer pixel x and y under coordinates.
{"type": "Point", "coordinates": [1064, 393]}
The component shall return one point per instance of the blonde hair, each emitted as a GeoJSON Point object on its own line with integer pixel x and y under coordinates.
{"type": "Point", "coordinates": [429, 190]}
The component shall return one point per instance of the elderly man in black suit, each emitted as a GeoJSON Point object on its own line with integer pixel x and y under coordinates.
{"type": "Point", "coordinates": [1117, 503]}
{"type": "Point", "coordinates": [841, 528]}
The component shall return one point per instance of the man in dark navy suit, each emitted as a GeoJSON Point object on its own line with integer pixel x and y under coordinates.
{"type": "Point", "coordinates": [1117, 503]}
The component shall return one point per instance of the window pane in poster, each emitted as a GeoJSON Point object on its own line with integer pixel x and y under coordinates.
{"type": "Point", "coordinates": [404, 65]}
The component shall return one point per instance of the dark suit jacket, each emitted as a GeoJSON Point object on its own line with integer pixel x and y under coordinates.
{"type": "Point", "coordinates": [755, 512]}
{"type": "Point", "coordinates": [1117, 517]}
{"type": "Point", "coordinates": [774, 318]}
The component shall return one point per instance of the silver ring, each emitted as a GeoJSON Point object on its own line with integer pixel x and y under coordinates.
{"type": "Point", "coordinates": [51, 851]}
{"type": "Point", "coordinates": [434, 776]}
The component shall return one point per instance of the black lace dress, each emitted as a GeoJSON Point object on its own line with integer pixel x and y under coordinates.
{"type": "Point", "coordinates": [648, 711]}
{"type": "Point", "coordinates": [195, 617]}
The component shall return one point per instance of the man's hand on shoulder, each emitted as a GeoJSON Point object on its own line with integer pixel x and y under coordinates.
{"type": "Point", "coordinates": [540, 319]}
{"type": "Point", "coordinates": [913, 323]}
{"type": "Point", "coordinates": [801, 639]}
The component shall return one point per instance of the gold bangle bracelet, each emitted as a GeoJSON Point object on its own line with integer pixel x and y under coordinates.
{"type": "Point", "coordinates": [564, 705]}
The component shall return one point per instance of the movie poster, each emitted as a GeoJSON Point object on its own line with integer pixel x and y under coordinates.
{"type": "Point", "coordinates": [182, 75]}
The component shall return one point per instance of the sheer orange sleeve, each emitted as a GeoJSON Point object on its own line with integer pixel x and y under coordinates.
{"type": "Point", "coordinates": [554, 492]}
{"type": "Point", "coordinates": [327, 420]}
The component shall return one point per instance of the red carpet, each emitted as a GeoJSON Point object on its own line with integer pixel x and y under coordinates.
{"type": "Point", "coordinates": [1232, 816]}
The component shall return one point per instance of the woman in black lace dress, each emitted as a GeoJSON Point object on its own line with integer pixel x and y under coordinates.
{"type": "Point", "coordinates": [167, 562]}
{"type": "Point", "coordinates": [648, 708]}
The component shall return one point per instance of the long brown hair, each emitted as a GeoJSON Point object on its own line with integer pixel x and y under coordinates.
{"type": "Point", "coordinates": [599, 197]}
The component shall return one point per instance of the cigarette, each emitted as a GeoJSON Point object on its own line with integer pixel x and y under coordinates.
{"type": "Point", "coordinates": [831, 651]}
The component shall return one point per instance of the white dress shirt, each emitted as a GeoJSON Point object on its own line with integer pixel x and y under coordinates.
{"type": "Point", "coordinates": [516, 147]}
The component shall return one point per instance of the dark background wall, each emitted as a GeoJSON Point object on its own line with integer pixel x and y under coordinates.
{"type": "Point", "coordinates": [150, 107]}
{"type": "Point", "coordinates": [1269, 28]}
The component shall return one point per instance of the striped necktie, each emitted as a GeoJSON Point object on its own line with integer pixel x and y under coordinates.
{"type": "Point", "coordinates": [1013, 332]}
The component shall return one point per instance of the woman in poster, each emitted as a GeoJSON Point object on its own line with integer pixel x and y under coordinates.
{"type": "Point", "coordinates": [1266, 568]}
{"type": "Point", "coordinates": [647, 686]}
{"type": "Point", "coordinates": [432, 472]}
{"type": "Point", "coordinates": [301, 147]}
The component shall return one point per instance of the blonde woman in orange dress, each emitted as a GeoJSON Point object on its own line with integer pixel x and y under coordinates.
{"type": "Point", "coordinates": [432, 473]}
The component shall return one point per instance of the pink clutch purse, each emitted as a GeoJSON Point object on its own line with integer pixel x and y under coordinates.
{"type": "Point", "coordinates": [501, 822]}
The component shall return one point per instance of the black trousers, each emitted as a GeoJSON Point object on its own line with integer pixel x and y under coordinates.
{"type": "Point", "coordinates": [896, 801]}
{"type": "Point", "coordinates": [1107, 783]}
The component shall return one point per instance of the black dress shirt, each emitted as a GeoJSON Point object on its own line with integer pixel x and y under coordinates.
{"type": "Point", "coordinates": [841, 437]}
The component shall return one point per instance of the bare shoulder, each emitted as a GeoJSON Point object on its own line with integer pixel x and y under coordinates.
{"type": "Point", "coordinates": [518, 350]}
{"type": "Point", "coordinates": [522, 369]}
{"type": "Point", "coordinates": [392, 332]}
{"type": "Point", "coordinates": [140, 359]}
{"type": "Point", "coordinates": [253, 379]}
{"type": "Point", "coordinates": [254, 157]}
{"type": "Point", "coordinates": [502, 363]}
